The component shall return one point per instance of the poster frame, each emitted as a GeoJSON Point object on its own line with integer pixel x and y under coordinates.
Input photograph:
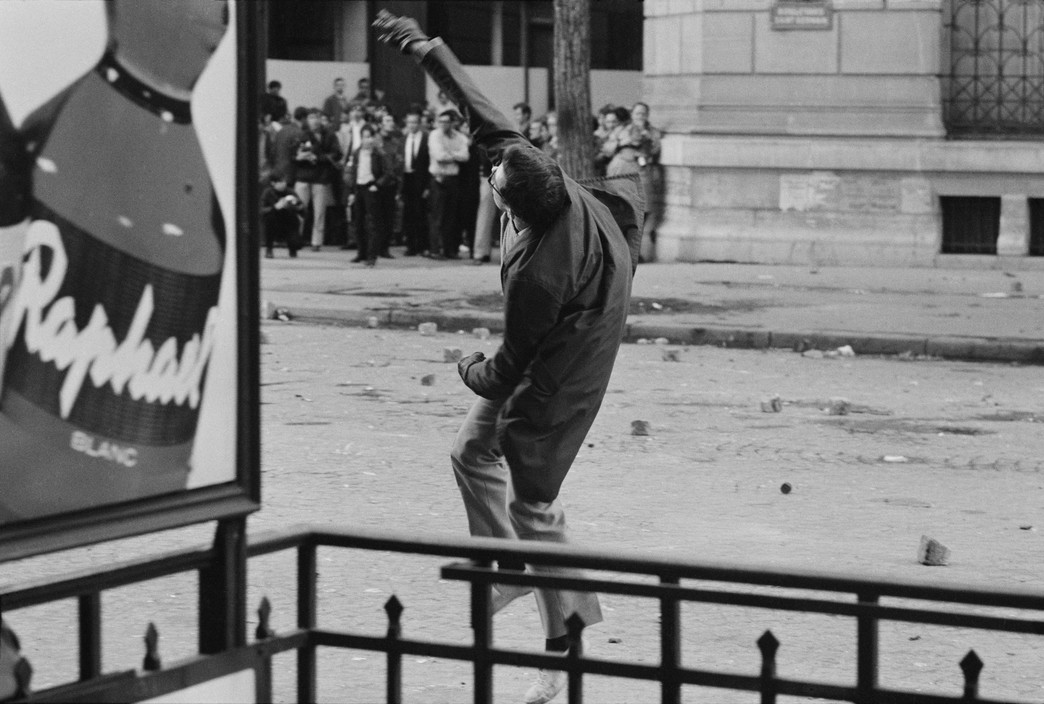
{"type": "Point", "coordinates": [242, 496]}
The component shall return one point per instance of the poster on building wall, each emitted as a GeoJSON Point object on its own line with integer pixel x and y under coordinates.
{"type": "Point", "coordinates": [118, 256]}
{"type": "Point", "coordinates": [802, 14]}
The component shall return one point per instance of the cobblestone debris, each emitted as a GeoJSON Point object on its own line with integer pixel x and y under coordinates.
{"type": "Point", "coordinates": [932, 553]}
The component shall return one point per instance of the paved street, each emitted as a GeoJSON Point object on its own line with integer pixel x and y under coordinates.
{"type": "Point", "coordinates": [988, 310]}
{"type": "Point", "coordinates": [351, 436]}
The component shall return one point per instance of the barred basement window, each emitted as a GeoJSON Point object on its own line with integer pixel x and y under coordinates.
{"type": "Point", "coordinates": [970, 224]}
{"type": "Point", "coordinates": [995, 65]}
{"type": "Point", "coordinates": [1036, 223]}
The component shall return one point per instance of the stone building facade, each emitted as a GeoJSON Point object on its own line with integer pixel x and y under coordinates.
{"type": "Point", "coordinates": [869, 132]}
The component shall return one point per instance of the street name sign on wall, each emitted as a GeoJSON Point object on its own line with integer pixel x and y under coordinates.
{"type": "Point", "coordinates": [128, 269]}
{"type": "Point", "coordinates": [802, 14]}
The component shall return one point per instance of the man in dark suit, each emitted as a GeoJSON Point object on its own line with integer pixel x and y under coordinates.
{"type": "Point", "coordinates": [415, 185]}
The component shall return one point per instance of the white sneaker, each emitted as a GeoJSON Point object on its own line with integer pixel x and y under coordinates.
{"type": "Point", "coordinates": [549, 683]}
{"type": "Point", "coordinates": [504, 594]}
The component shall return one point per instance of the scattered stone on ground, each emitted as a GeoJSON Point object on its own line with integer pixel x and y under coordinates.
{"type": "Point", "coordinates": [839, 407]}
{"type": "Point", "coordinates": [932, 553]}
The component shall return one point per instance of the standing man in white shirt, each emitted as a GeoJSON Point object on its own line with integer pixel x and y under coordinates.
{"type": "Point", "coordinates": [448, 149]}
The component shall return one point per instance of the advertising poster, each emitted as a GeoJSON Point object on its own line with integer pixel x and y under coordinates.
{"type": "Point", "coordinates": [118, 281]}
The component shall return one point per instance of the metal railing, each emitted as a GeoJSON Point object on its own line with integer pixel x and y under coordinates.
{"type": "Point", "coordinates": [633, 571]}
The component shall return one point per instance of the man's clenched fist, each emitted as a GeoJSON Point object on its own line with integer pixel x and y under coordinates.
{"type": "Point", "coordinates": [399, 31]}
{"type": "Point", "coordinates": [467, 362]}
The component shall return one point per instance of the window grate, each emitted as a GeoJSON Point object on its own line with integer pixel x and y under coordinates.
{"type": "Point", "coordinates": [970, 224]}
{"type": "Point", "coordinates": [995, 80]}
{"type": "Point", "coordinates": [1036, 223]}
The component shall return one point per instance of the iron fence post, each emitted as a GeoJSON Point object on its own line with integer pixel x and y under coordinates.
{"type": "Point", "coordinates": [670, 646]}
{"type": "Point", "coordinates": [306, 579]}
{"type": "Point", "coordinates": [867, 644]}
{"type": "Point", "coordinates": [393, 607]}
{"type": "Point", "coordinates": [152, 661]}
{"type": "Point", "coordinates": [575, 625]}
{"type": "Point", "coordinates": [90, 635]}
{"type": "Point", "coordinates": [971, 665]}
{"type": "Point", "coordinates": [768, 644]}
{"type": "Point", "coordinates": [482, 625]}
{"type": "Point", "coordinates": [222, 590]}
{"type": "Point", "coordinates": [23, 674]}
{"type": "Point", "coordinates": [264, 632]}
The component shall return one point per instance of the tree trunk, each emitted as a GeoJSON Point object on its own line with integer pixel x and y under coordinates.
{"type": "Point", "coordinates": [572, 81]}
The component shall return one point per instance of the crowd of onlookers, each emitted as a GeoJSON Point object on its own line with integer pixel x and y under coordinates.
{"type": "Point", "coordinates": [353, 174]}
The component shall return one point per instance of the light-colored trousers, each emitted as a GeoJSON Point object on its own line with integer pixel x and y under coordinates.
{"type": "Point", "coordinates": [494, 511]}
{"type": "Point", "coordinates": [319, 195]}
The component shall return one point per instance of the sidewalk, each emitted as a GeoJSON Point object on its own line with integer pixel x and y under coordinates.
{"type": "Point", "coordinates": [972, 314]}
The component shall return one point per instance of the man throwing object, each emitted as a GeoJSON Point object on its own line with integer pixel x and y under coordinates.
{"type": "Point", "coordinates": [566, 272]}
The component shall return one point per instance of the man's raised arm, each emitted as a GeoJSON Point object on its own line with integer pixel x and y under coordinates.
{"type": "Point", "coordinates": [491, 129]}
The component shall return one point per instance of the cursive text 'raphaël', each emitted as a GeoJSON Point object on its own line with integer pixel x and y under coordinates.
{"type": "Point", "coordinates": [149, 374]}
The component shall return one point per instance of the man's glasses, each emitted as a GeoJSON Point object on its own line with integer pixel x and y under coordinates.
{"type": "Point", "coordinates": [489, 180]}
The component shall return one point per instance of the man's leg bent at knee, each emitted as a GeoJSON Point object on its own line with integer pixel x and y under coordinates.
{"type": "Point", "coordinates": [545, 522]}
{"type": "Point", "coordinates": [481, 474]}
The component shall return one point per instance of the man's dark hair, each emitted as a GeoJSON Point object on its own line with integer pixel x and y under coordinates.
{"type": "Point", "coordinates": [623, 115]}
{"type": "Point", "coordinates": [533, 185]}
{"type": "Point", "coordinates": [313, 111]}
{"type": "Point", "coordinates": [451, 114]}
{"type": "Point", "coordinates": [526, 110]}
{"type": "Point", "coordinates": [274, 84]}
{"type": "Point", "coordinates": [368, 128]}
{"type": "Point", "coordinates": [300, 113]}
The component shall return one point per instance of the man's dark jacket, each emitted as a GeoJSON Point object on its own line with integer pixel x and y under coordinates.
{"type": "Point", "coordinates": [566, 294]}
{"type": "Point", "coordinates": [326, 148]}
{"type": "Point", "coordinates": [382, 165]}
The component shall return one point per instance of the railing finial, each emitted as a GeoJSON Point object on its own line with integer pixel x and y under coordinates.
{"type": "Point", "coordinates": [971, 665]}
{"type": "Point", "coordinates": [574, 628]}
{"type": "Point", "coordinates": [768, 644]}
{"type": "Point", "coordinates": [394, 608]}
{"type": "Point", "coordinates": [152, 660]}
{"type": "Point", "coordinates": [264, 614]}
{"type": "Point", "coordinates": [23, 675]}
